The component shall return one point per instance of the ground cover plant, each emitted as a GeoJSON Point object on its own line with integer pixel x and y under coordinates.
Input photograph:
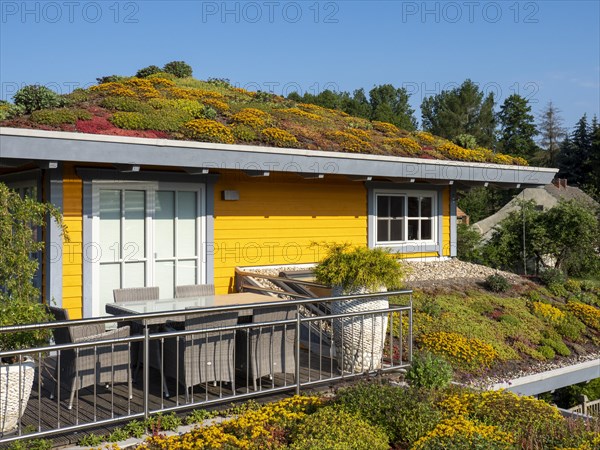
{"type": "Point", "coordinates": [482, 333]}
{"type": "Point", "coordinates": [377, 415]}
{"type": "Point", "coordinates": [168, 103]}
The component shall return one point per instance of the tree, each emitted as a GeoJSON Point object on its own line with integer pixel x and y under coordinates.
{"type": "Point", "coordinates": [480, 202]}
{"type": "Point", "coordinates": [594, 161]}
{"type": "Point", "coordinates": [462, 110]}
{"type": "Point", "coordinates": [552, 134]}
{"type": "Point", "coordinates": [565, 237]}
{"type": "Point", "coordinates": [390, 104]}
{"type": "Point", "coordinates": [517, 128]}
{"type": "Point", "coordinates": [573, 158]}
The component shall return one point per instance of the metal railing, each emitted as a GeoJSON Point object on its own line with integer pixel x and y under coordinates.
{"type": "Point", "coordinates": [267, 353]}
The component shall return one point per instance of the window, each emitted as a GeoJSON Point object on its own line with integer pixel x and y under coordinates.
{"type": "Point", "coordinates": [147, 235]}
{"type": "Point", "coordinates": [404, 218]}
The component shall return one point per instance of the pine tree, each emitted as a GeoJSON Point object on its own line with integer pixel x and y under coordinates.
{"type": "Point", "coordinates": [517, 128]}
{"type": "Point", "coordinates": [573, 158]}
{"type": "Point", "coordinates": [390, 104]}
{"type": "Point", "coordinates": [462, 110]}
{"type": "Point", "coordinates": [552, 134]}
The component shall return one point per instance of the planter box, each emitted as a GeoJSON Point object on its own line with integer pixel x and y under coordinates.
{"type": "Point", "coordinates": [16, 381]}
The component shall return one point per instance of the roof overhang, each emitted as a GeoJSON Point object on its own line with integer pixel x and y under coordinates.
{"type": "Point", "coordinates": [26, 145]}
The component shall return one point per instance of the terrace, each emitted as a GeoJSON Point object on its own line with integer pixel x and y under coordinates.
{"type": "Point", "coordinates": [291, 361]}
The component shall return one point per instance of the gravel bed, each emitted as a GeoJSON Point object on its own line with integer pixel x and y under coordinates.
{"type": "Point", "coordinates": [453, 269]}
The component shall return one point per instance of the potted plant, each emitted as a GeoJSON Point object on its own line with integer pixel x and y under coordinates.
{"type": "Point", "coordinates": [359, 341]}
{"type": "Point", "coordinates": [20, 219]}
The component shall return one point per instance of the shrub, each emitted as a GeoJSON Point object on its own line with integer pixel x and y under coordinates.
{"type": "Point", "coordinates": [129, 120]}
{"type": "Point", "coordinates": [244, 133]}
{"type": "Point", "coordinates": [192, 108]}
{"type": "Point", "coordinates": [429, 371]}
{"type": "Point", "coordinates": [178, 68]}
{"type": "Point", "coordinates": [8, 111]}
{"type": "Point", "coordinates": [147, 71]}
{"type": "Point", "coordinates": [135, 428]}
{"type": "Point", "coordinates": [332, 429]}
{"type": "Point", "coordinates": [552, 276]}
{"type": "Point", "coordinates": [467, 243]}
{"type": "Point", "coordinates": [497, 283]}
{"type": "Point", "coordinates": [34, 97]}
{"type": "Point", "coordinates": [90, 440]}
{"type": "Point", "coordinates": [404, 414]}
{"type": "Point", "coordinates": [557, 345]}
{"type": "Point", "coordinates": [167, 120]}
{"type": "Point", "coordinates": [208, 131]}
{"type": "Point", "coordinates": [126, 104]}
{"type": "Point", "coordinates": [162, 75]}
{"type": "Point", "coordinates": [279, 137]}
{"type": "Point", "coordinates": [573, 286]}
{"type": "Point", "coordinates": [558, 290]}
{"type": "Point", "coordinates": [571, 327]}
{"type": "Point", "coordinates": [118, 434]}
{"type": "Point", "coordinates": [467, 141]}
{"type": "Point", "coordinates": [110, 79]}
{"type": "Point", "coordinates": [547, 351]}
{"type": "Point", "coordinates": [220, 82]}
{"type": "Point", "coordinates": [56, 117]}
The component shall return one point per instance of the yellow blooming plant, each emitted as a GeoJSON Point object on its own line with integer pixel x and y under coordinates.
{"type": "Point", "coordinates": [279, 137]}
{"type": "Point", "coordinates": [206, 130]}
{"type": "Point", "coordinates": [300, 113]}
{"type": "Point", "coordinates": [403, 145]}
{"type": "Point", "coordinates": [467, 353]}
{"type": "Point", "coordinates": [548, 312]}
{"type": "Point", "coordinates": [349, 142]}
{"type": "Point", "coordinates": [252, 117]}
{"type": "Point", "coordinates": [113, 89]}
{"type": "Point", "coordinates": [590, 315]}
{"type": "Point", "coordinates": [385, 127]}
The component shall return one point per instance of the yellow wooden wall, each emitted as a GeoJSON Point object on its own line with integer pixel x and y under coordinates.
{"type": "Point", "coordinates": [73, 250]}
{"type": "Point", "coordinates": [278, 217]}
{"type": "Point", "coordinates": [446, 222]}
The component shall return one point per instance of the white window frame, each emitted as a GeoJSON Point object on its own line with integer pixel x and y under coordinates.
{"type": "Point", "coordinates": [405, 193]}
{"type": "Point", "coordinates": [150, 189]}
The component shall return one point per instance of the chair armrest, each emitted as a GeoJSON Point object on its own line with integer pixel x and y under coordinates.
{"type": "Point", "coordinates": [81, 331]}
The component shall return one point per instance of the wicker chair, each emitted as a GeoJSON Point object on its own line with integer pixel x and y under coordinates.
{"type": "Point", "coordinates": [203, 357]}
{"type": "Point", "coordinates": [268, 349]}
{"type": "Point", "coordinates": [194, 290]}
{"type": "Point", "coordinates": [135, 294]}
{"type": "Point", "coordinates": [105, 364]}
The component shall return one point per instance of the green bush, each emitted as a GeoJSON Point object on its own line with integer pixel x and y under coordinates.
{"type": "Point", "coordinates": [135, 428]}
{"type": "Point", "coordinates": [8, 111]}
{"type": "Point", "coordinates": [126, 104]}
{"type": "Point", "coordinates": [34, 97]}
{"type": "Point", "coordinates": [91, 440]}
{"type": "Point", "coordinates": [552, 276]}
{"type": "Point", "coordinates": [244, 133]}
{"type": "Point", "coordinates": [333, 429]}
{"type": "Point", "coordinates": [147, 71]}
{"type": "Point", "coordinates": [429, 371]}
{"type": "Point", "coordinates": [220, 82]}
{"type": "Point", "coordinates": [467, 243]}
{"type": "Point", "coordinates": [56, 117]}
{"type": "Point", "coordinates": [118, 434]}
{"type": "Point", "coordinates": [178, 68]}
{"type": "Point", "coordinates": [573, 286]}
{"type": "Point", "coordinates": [110, 79]}
{"type": "Point", "coordinates": [558, 346]}
{"type": "Point", "coordinates": [497, 283]}
{"type": "Point", "coordinates": [558, 290]}
{"type": "Point", "coordinates": [404, 414]}
{"type": "Point", "coordinates": [165, 75]}
{"type": "Point", "coordinates": [547, 351]}
{"type": "Point", "coordinates": [165, 120]}
{"type": "Point", "coordinates": [570, 327]}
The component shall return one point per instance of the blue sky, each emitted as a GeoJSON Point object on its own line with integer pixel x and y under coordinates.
{"type": "Point", "coordinates": [543, 50]}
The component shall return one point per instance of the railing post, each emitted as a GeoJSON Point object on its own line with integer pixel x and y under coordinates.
{"type": "Point", "coordinates": [410, 330]}
{"type": "Point", "coordinates": [146, 369]}
{"type": "Point", "coordinates": [298, 322]}
{"type": "Point", "coordinates": [584, 404]}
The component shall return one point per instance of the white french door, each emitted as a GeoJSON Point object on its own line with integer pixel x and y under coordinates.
{"type": "Point", "coordinates": [146, 234]}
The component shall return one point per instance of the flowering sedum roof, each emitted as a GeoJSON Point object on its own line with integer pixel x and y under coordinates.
{"type": "Point", "coordinates": [162, 106]}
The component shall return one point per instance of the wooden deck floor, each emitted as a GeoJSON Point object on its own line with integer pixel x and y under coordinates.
{"type": "Point", "coordinates": [99, 403]}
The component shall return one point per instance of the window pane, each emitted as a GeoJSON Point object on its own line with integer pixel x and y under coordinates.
{"type": "Point", "coordinates": [397, 230]}
{"type": "Point", "coordinates": [426, 229]}
{"type": "Point", "coordinates": [164, 224]}
{"type": "Point", "coordinates": [426, 207]}
{"type": "Point", "coordinates": [164, 278]}
{"type": "Point", "coordinates": [186, 272]}
{"type": "Point", "coordinates": [134, 275]}
{"type": "Point", "coordinates": [383, 206]}
{"type": "Point", "coordinates": [413, 206]}
{"type": "Point", "coordinates": [186, 224]}
{"type": "Point", "coordinates": [110, 225]}
{"type": "Point", "coordinates": [110, 278]}
{"type": "Point", "coordinates": [413, 230]}
{"type": "Point", "coordinates": [382, 230]}
{"type": "Point", "coordinates": [397, 206]}
{"type": "Point", "coordinates": [134, 229]}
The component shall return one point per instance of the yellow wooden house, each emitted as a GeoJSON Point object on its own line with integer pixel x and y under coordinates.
{"type": "Point", "coordinates": [158, 212]}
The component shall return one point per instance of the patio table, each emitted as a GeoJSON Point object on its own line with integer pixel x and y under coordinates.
{"type": "Point", "coordinates": [185, 304]}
